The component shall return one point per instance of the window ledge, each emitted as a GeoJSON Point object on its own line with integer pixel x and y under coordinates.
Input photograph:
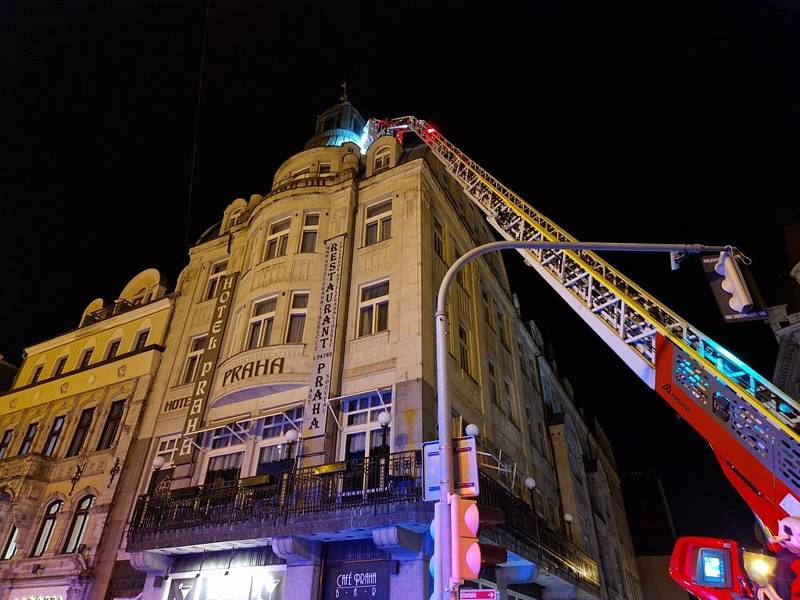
{"type": "Point", "coordinates": [378, 243]}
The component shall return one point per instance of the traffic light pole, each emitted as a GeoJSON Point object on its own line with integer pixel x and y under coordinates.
{"type": "Point", "coordinates": [443, 587]}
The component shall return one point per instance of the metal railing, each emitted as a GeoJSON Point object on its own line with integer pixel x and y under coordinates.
{"type": "Point", "coordinates": [119, 307]}
{"type": "Point", "coordinates": [560, 553]}
{"type": "Point", "coordinates": [376, 482]}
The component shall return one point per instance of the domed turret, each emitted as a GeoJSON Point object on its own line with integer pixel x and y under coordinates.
{"type": "Point", "coordinates": [339, 124]}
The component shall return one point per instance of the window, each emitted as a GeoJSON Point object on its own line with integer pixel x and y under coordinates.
{"type": "Point", "coordinates": [112, 425]}
{"type": "Point", "coordinates": [297, 318]}
{"type": "Point", "coordinates": [456, 255]}
{"type": "Point", "coordinates": [234, 219]}
{"type": "Point", "coordinates": [52, 438]}
{"type": "Point", "coordinates": [166, 448]}
{"type": "Point", "coordinates": [60, 364]}
{"type": "Point", "coordinates": [223, 468]}
{"type": "Point", "coordinates": [81, 431]}
{"type": "Point", "coordinates": [217, 272]}
{"type": "Point", "coordinates": [276, 426]}
{"type": "Point", "coordinates": [523, 366]}
{"type": "Point", "coordinates": [85, 358]}
{"type": "Point", "coordinates": [46, 530]}
{"type": "Point", "coordinates": [78, 528]}
{"type": "Point", "coordinates": [27, 441]}
{"type": "Point", "coordinates": [260, 331]}
{"type": "Point", "coordinates": [508, 398]}
{"type": "Point", "coordinates": [493, 384]}
{"type": "Point", "coordinates": [438, 238]}
{"type": "Point", "coordinates": [373, 310]}
{"type": "Point", "coordinates": [5, 442]}
{"type": "Point", "coordinates": [11, 545]}
{"type": "Point", "coordinates": [324, 168]}
{"type": "Point", "coordinates": [363, 434]}
{"type": "Point", "coordinates": [487, 308]}
{"type": "Point", "coordinates": [231, 435]}
{"type": "Point", "coordinates": [141, 340]}
{"type": "Point", "coordinates": [271, 456]}
{"type": "Point", "coordinates": [378, 224]}
{"type": "Point", "coordinates": [278, 239]}
{"type": "Point", "coordinates": [308, 242]}
{"type": "Point", "coordinates": [113, 347]}
{"type": "Point", "coordinates": [37, 371]}
{"type": "Point", "coordinates": [382, 158]}
{"type": "Point", "coordinates": [463, 347]}
{"type": "Point", "coordinates": [196, 348]}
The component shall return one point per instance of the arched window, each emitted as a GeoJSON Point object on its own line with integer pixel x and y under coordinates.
{"type": "Point", "coordinates": [46, 530]}
{"type": "Point", "coordinates": [382, 158]}
{"type": "Point", "coordinates": [75, 537]}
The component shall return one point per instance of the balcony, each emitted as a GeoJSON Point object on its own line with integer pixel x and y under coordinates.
{"type": "Point", "coordinates": [301, 181]}
{"type": "Point", "coordinates": [374, 486]}
{"type": "Point", "coordinates": [33, 466]}
{"type": "Point", "coordinates": [338, 501]}
{"type": "Point", "coordinates": [525, 534]}
{"type": "Point", "coordinates": [112, 310]}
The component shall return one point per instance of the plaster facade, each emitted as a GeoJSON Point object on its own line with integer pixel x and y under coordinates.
{"type": "Point", "coordinates": [66, 429]}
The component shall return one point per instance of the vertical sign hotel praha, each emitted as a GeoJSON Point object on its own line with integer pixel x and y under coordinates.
{"type": "Point", "coordinates": [205, 371]}
{"type": "Point", "coordinates": [315, 412]}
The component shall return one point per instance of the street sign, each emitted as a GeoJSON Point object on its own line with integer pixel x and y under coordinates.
{"type": "Point", "coordinates": [465, 469]}
{"type": "Point", "coordinates": [478, 594]}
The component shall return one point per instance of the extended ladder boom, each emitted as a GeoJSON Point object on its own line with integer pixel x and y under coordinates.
{"type": "Point", "coordinates": [750, 423]}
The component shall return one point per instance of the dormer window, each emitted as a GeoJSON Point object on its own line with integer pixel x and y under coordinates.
{"type": "Point", "coordinates": [234, 219]}
{"type": "Point", "coordinates": [382, 158]}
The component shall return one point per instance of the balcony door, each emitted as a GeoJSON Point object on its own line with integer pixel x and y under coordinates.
{"type": "Point", "coordinates": [223, 469]}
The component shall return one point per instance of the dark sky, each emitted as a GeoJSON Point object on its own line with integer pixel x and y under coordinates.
{"type": "Point", "coordinates": [626, 121]}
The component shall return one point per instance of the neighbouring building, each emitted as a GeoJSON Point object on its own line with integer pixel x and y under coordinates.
{"type": "Point", "coordinates": [66, 432]}
{"type": "Point", "coordinates": [785, 318]}
{"type": "Point", "coordinates": [653, 534]}
{"type": "Point", "coordinates": [7, 373]}
{"type": "Point", "coordinates": [286, 420]}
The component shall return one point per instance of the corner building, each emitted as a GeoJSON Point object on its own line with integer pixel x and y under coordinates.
{"type": "Point", "coordinates": [298, 387]}
{"type": "Point", "coordinates": [67, 431]}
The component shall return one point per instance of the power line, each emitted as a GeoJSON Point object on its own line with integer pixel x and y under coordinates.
{"type": "Point", "coordinates": [196, 126]}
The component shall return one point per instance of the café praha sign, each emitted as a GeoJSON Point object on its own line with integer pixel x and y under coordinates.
{"type": "Point", "coordinates": [205, 372]}
{"type": "Point", "coordinates": [368, 580]}
{"type": "Point", "coordinates": [316, 414]}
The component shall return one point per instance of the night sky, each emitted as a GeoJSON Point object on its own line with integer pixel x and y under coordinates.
{"type": "Point", "coordinates": [626, 121]}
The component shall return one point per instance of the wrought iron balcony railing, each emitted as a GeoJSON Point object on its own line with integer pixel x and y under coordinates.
{"type": "Point", "coordinates": [554, 548]}
{"type": "Point", "coordinates": [377, 482]}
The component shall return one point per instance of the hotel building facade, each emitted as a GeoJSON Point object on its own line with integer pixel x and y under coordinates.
{"type": "Point", "coordinates": [288, 415]}
{"type": "Point", "coordinates": [278, 452]}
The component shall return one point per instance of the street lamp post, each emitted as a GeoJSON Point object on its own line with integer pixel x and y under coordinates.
{"type": "Point", "coordinates": [568, 518]}
{"type": "Point", "coordinates": [158, 461]}
{"type": "Point", "coordinates": [384, 418]}
{"type": "Point", "coordinates": [530, 484]}
{"type": "Point", "coordinates": [443, 588]}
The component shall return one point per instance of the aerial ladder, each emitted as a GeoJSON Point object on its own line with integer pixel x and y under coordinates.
{"type": "Point", "coordinates": [752, 426]}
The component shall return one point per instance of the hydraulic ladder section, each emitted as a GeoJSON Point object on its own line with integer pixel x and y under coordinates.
{"type": "Point", "coordinates": [752, 426]}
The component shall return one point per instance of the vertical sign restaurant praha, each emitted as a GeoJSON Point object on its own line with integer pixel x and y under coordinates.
{"type": "Point", "coordinates": [205, 372]}
{"type": "Point", "coordinates": [315, 413]}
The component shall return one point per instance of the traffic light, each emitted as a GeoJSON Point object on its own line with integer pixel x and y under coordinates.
{"type": "Point", "coordinates": [468, 554]}
{"type": "Point", "coordinates": [733, 282]}
{"type": "Point", "coordinates": [733, 287]}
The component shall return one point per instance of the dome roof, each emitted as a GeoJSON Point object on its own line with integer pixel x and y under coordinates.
{"type": "Point", "coordinates": [339, 124]}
